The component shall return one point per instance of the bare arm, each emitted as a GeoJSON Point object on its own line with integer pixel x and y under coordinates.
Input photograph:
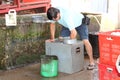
{"type": "Point", "coordinates": [52, 31]}
{"type": "Point", "coordinates": [73, 34]}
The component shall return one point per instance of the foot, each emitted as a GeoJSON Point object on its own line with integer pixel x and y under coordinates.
{"type": "Point", "coordinates": [91, 67]}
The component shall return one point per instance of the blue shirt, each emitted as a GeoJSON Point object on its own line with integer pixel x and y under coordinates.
{"type": "Point", "coordinates": [70, 19]}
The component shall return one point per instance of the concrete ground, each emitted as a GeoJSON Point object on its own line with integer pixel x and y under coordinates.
{"type": "Point", "coordinates": [32, 72]}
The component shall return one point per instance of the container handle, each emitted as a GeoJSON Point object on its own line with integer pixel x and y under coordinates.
{"type": "Point", "coordinates": [109, 69]}
{"type": "Point", "coordinates": [77, 49]}
{"type": "Point", "coordinates": [109, 38]}
{"type": "Point", "coordinates": [13, 11]}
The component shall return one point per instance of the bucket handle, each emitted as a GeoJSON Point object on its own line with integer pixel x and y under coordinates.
{"type": "Point", "coordinates": [13, 11]}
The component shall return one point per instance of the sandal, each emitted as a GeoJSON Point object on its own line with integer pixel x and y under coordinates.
{"type": "Point", "coordinates": [90, 67]}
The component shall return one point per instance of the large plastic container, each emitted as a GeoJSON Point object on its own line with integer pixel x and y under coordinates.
{"type": "Point", "coordinates": [70, 56]}
{"type": "Point", "coordinates": [49, 66]}
{"type": "Point", "coordinates": [109, 47]}
{"type": "Point", "coordinates": [108, 72]}
{"type": "Point", "coordinates": [93, 38]}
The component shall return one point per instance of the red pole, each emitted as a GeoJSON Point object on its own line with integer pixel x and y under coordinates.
{"type": "Point", "coordinates": [17, 2]}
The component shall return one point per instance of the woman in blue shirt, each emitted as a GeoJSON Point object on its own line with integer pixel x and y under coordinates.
{"type": "Point", "coordinates": [72, 24]}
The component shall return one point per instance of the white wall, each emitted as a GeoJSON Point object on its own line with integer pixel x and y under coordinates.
{"type": "Point", "coordinates": [110, 20]}
{"type": "Point", "coordinates": [82, 5]}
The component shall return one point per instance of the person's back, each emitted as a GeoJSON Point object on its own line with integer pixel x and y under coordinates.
{"type": "Point", "coordinates": [70, 18]}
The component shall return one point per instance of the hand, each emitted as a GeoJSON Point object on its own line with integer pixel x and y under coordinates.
{"type": "Point", "coordinates": [50, 40]}
{"type": "Point", "coordinates": [60, 38]}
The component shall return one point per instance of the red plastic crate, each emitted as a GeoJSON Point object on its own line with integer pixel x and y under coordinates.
{"type": "Point", "coordinates": [107, 72]}
{"type": "Point", "coordinates": [109, 47]}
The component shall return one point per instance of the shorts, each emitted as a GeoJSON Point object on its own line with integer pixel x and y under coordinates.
{"type": "Point", "coordinates": [82, 30]}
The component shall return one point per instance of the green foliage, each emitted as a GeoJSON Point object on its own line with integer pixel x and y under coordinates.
{"type": "Point", "coordinates": [24, 43]}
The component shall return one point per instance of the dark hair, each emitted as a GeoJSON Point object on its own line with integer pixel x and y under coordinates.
{"type": "Point", "coordinates": [52, 13]}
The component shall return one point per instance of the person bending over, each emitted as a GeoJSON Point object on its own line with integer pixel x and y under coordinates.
{"type": "Point", "coordinates": [72, 23]}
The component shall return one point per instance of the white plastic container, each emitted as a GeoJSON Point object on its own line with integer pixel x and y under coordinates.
{"type": "Point", "coordinates": [118, 64]}
{"type": "Point", "coordinates": [10, 18]}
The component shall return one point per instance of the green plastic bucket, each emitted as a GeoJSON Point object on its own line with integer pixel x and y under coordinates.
{"type": "Point", "coordinates": [49, 66]}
